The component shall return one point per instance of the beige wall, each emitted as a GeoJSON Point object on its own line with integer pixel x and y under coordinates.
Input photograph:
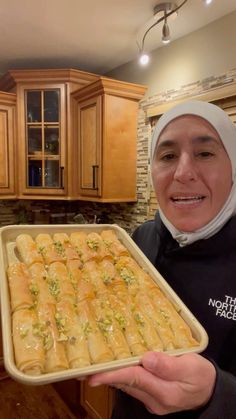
{"type": "Point", "coordinates": [204, 53]}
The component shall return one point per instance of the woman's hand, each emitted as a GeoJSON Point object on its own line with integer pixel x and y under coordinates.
{"type": "Point", "coordinates": [163, 383]}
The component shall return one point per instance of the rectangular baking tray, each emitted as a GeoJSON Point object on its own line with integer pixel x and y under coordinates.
{"type": "Point", "coordinates": [8, 235]}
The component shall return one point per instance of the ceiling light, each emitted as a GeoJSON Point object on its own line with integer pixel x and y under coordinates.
{"type": "Point", "coordinates": [165, 32]}
{"type": "Point", "coordinates": [162, 12]}
{"type": "Point", "coordinates": [144, 59]}
{"type": "Point", "coordinates": [207, 2]}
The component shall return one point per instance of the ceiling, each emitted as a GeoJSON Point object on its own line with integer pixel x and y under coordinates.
{"type": "Point", "coordinates": [91, 35]}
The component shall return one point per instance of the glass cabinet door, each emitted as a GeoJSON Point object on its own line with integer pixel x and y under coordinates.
{"type": "Point", "coordinates": [43, 138]}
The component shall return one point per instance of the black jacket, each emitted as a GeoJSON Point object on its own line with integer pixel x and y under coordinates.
{"type": "Point", "coordinates": [203, 274]}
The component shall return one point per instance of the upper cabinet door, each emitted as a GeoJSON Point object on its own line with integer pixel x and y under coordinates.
{"type": "Point", "coordinates": [7, 145]}
{"type": "Point", "coordinates": [42, 140]}
{"type": "Point", "coordinates": [90, 125]}
{"type": "Point", "coordinates": [106, 132]}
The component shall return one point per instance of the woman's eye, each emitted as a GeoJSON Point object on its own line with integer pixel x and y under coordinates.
{"type": "Point", "coordinates": [167, 157]}
{"type": "Point", "coordinates": [205, 154]}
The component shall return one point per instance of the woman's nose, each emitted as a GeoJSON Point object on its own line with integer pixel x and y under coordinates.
{"type": "Point", "coordinates": [185, 170]}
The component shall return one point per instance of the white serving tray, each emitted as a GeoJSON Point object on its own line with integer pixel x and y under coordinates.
{"type": "Point", "coordinates": [8, 235]}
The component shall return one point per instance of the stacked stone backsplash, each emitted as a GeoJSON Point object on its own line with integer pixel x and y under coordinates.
{"type": "Point", "coordinates": [129, 215]}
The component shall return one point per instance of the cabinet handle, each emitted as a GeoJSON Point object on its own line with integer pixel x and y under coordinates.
{"type": "Point", "coordinates": [94, 167]}
{"type": "Point", "coordinates": [62, 177]}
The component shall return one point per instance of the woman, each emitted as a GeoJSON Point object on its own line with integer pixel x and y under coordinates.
{"type": "Point", "coordinates": [192, 242]}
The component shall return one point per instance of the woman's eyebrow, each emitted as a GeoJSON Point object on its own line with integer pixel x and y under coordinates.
{"type": "Point", "coordinates": [207, 139]}
{"type": "Point", "coordinates": [203, 139]}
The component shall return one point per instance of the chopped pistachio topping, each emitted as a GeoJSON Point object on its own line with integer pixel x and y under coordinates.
{"type": "Point", "coordinates": [121, 320]}
{"type": "Point", "coordinates": [59, 248]}
{"type": "Point", "coordinates": [54, 287]}
{"type": "Point", "coordinates": [87, 329]}
{"type": "Point", "coordinates": [42, 250]}
{"type": "Point", "coordinates": [23, 332]}
{"type": "Point", "coordinates": [139, 319]}
{"type": "Point", "coordinates": [34, 289]}
{"type": "Point", "coordinates": [92, 244]}
{"type": "Point", "coordinates": [127, 276]}
{"type": "Point", "coordinates": [47, 341]}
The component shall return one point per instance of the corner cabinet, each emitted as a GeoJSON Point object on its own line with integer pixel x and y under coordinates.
{"type": "Point", "coordinates": [46, 159]}
{"type": "Point", "coordinates": [105, 126]}
{"type": "Point", "coordinates": [7, 145]}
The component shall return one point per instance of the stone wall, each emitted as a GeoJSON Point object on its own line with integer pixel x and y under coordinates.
{"type": "Point", "coordinates": [129, 215]}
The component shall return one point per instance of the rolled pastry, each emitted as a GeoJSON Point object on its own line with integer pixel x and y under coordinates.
{"type": "Point", "coordinates": [113, 243]}
{"type": "Point", "coordinates": [94, 276]}
{"type": "Point", "coordinates": [98, 348]}
{"type": "Point", "coordinates": [160, 324]}
{"type": "Point", "coordinates": [39, 284]}
{"type": "Point", "coordinates": [64, 246]}
{"type": "Point", "coordinates": [79, 241]}
{"type": "Point", "coordinates": [71, 332]}
{"type": "Point", "coordinates": [122, 313]}
{"type": "Point", "coordinates": [128, 274]}
{"type": "Point", "coordinates": [27, 249]}
{"type": "Point", "coordinates": [110, 277]}
{"type": "Point", "coordinates": [48, 249]}
{"type": "Point", "coordinates": [19, 281]}
{"type": "Point", "coordinates": [95, 242]}
{"type": "Point", "coordinates": [59, 282]}
{"type": "Point", "coordinates": [110, 329]}
{"type": "Point", "coordinates": [74, 271]}
{"type": "Point", "coordinates": [180, 329]}
{"type": "Point", "coordinates": [28, 344]}
{"type": "Point", "coordinates": [146, 329]}
{"type": "Point", "coordinates": [55, 354]}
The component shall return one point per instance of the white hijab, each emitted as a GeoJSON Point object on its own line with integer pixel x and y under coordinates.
{"type": "Point", "coordinates": [227, 133]}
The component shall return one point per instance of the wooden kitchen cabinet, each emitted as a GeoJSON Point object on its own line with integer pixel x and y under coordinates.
{"type": "Point", "coordinates": [7, 145]}
{"type": "Point", "coordinates": [105, 125]}
{"type": "Point", "coordinates": [97, 401]}
{"type": "Point", "coordinates": [45, 146]}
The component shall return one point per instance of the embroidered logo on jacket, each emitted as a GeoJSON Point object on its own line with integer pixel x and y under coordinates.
{"type": "Point", "coordinates": [225, 308]}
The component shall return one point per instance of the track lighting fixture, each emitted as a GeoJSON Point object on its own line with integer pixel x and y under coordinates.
{"type": "Point", "coordinates": [165, 10]}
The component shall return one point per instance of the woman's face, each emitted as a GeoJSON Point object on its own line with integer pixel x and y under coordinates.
{"type": "Point", "coordinates": [191, 173]}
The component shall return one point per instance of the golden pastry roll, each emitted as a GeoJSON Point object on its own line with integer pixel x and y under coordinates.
{"type": "Point", "coordinates": [180, 329]}
{"type": "Point", "coordinates": [70, 331]}
{"type": "Point", "coordinates": [74, 270]}
{"type": "Point", "coordinates": [143, 278]}
{"type": "Point", "coordinates": [19, 281]}
{"type": "Point", "coordinates": [55, 353]}
{"type": "Point", "coordinates": [79, 241]}
{"type": "Point", "coordinates": [159, 321]}
{"type": "Point", "coordinates": [92, 273]}
{"type": "Point", "coordinates": [110, 276]}
{"type": "Point", "coordinates": [28, 344]}
{"type": "Point", "coordinates": [48, 249]}
{"type": "Point", "coordinates": [110, 329]}
{"type": "Point", "coordinates": [64, 246]}
{"type": "Point", "coordinates": [39, 284]}
{"type": "Point", "coordinates": [128, 274]}
{"type": "Point", "coordinates": [98, 349]}
{"type": "Point", "coordinates": [122, 313]}
{"type": "Point", "coordinates": [59, 282]}
{"type": "Point", "coordinates": [95, 242]}
{"type": "Point", "coordinates": [86, 290]}
{"type": "Point", "coordinates": [146, 329]}
{"type": "Point", "coordinates": [27, 249]}
{"type": "Point", "coordinates": [113, 244]}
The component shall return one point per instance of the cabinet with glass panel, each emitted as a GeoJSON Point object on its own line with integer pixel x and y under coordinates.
{"type": "Point", "coordinates": [43, 136]}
